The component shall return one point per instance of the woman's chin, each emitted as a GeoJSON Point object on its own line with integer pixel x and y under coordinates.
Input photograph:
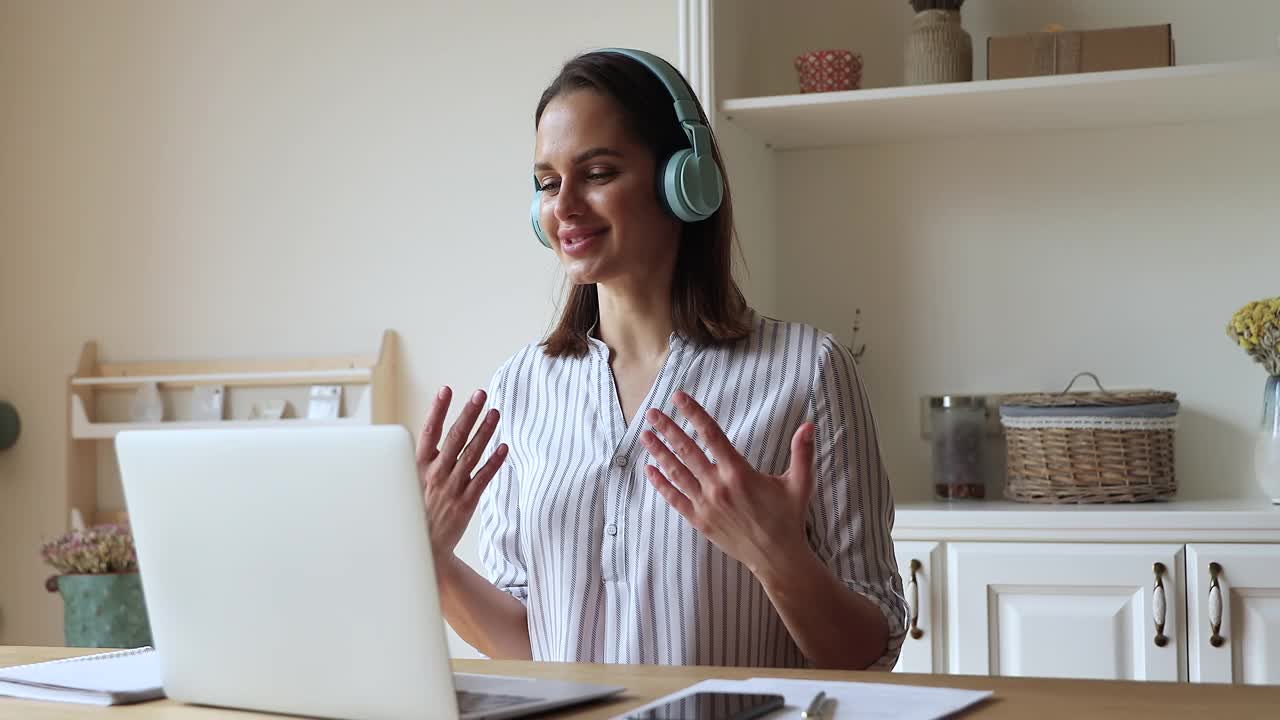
{"type": "Point", "coordinates": [582, 273]}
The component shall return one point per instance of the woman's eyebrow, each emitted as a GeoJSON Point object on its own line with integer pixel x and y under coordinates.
{"type": "Point", "coordinates": [584, 156]}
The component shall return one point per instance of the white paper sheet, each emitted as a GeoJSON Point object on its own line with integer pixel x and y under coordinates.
{"type": "Point", "coordinates": [877, 701]}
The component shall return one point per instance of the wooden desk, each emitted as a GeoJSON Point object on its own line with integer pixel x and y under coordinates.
{"type": "Point", "coordinates": [1019, 698]}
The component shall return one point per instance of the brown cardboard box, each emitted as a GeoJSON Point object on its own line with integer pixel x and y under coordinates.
{"type": "Point", "coordinates": [1064, 52]}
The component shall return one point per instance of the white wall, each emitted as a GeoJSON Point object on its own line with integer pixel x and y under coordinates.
{"type": "Point", "coordinates": [1009, 265]}
{"type": "Point", "coordinates": [1006, 265]}
{"type": "Point", "coordinates": [239, 179]}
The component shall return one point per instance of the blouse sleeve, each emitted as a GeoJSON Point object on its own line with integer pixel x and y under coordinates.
{"type": "Point", "coordinates": [501, 553]}
{"type": "Point", "coordinates": [851, 515]}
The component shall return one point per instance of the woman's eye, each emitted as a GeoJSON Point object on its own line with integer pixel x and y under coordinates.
{"type": "Point", "coordinates": [552, 185]}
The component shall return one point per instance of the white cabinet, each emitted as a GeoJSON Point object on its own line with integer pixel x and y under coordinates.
{"type": "Point", "coordinates": [1127, 592]}
{"type": "Point", "coordinates": [1233, 605]}
{"type": "Point", "coordinates": [1075, 610]}
{"type": "Point", "coordinates": [920, 564]}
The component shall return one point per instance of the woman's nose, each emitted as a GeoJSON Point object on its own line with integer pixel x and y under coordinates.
{"type": "Point", "coordinates": [569, 201]}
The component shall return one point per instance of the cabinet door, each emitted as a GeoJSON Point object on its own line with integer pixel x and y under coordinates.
{"type": "Point", "coordinates": [1235, 591]}
{"type": "Point", "coordinates": [920, 564]}
{"type": "Point", "coordinates": [1076, 610]}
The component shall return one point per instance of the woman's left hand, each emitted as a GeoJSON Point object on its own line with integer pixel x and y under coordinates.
{"type": "Point", "coordinates": [757, 519]}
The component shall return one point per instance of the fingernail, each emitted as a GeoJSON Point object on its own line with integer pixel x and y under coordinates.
{"type": "Point", "coordinates": [477, 397]}
{"type": "Point", "coordinates": [808, 434]}
{"type": "Point", "coordinates": [444, 390]}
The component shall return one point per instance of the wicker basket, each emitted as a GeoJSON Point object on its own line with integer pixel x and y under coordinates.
{"type": "Point", "coordinates": [1090, 447]}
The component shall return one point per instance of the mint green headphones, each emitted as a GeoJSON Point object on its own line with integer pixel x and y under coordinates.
{"type": "Point", "coordinates": [691, 185]}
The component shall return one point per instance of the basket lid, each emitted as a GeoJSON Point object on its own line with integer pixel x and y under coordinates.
{"type": "Point", "coordinates": [1099, 398]}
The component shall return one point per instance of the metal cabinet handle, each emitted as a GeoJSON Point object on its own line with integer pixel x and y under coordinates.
{"type": "Point", "coordinates": [913, 600]}
{"type": "Point", "coordinates": [1158, 605]}
{"type": "Point", "coordinates": [1215, 606]}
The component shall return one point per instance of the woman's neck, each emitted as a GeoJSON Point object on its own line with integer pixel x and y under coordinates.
{"type": "Point", "coordinates": [635, 325]}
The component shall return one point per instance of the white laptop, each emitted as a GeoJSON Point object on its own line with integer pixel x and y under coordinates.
{"type": "Point", "coordinates": [289, 570]}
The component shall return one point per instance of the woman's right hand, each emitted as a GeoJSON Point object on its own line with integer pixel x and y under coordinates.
{"type": "Point", "coordinates": [449, 487]}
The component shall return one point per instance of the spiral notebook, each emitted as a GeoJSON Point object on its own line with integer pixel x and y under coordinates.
{"type": "Point", "coordinates": [113, 678]}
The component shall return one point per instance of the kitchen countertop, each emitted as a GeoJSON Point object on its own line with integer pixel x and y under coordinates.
{"type": "Point", "coordinates": [1175, 520]}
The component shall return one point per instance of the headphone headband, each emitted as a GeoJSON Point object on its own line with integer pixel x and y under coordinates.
{"type": "Point", "coordinates": [685, 104]}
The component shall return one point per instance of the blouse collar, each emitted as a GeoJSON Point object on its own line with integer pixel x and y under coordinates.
{"type": "Point", "coordinates": [676, 341]}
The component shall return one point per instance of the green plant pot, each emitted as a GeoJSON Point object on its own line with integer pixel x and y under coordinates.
{"type": "Point", "coordinates": [104, 610]}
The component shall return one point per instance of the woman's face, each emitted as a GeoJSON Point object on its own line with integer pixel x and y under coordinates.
{"type": "Point", "coordinates": [599, 206]}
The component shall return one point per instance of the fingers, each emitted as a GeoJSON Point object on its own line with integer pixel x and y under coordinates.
{"type": "Point", "coordinates": [430, 436]}
{"type": "Point", "coordinates": [684, 446]}
{"type": "Point", "coordinates": [471, 455]}
{"type": "Point", "coordinates": [675, 471]}
{"type": "Point", "coordinates": [670, 493]}
{"type": "Point", "coordinates": [800, 469]}
{"type": "Point", "coordinates": [708, 429]}
{"type": "Point", "coordinates": [457, 436]}
{"type": "Point", "coordinates": [479, 481]}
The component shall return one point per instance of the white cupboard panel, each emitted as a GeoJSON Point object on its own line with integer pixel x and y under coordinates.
{"type": "Point", "coordinates": [1233, 603]}
{"type": "Point", "coordinates": [920, 564]}
{"type": "Point", "coordinates": [1077, 610]}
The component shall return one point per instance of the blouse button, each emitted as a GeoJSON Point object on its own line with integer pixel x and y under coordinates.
{"type": "Point", "coordinates": [620, 461]}
{"type": "Point", "coordinates": [611, 529]}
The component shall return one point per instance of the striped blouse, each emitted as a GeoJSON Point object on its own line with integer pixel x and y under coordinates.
{"type": "Point", "coordinates": [607, 570]}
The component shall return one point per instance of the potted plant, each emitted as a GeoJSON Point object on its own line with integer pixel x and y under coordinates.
{"type": "Point", "coordinates": [1256, 329]}
{"type": "Point", "coordinates": [101, 591]}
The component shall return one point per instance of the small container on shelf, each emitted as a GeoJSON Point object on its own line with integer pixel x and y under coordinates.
{"type": "Point", "coordinates": [829, 70]}
{"type": "Point", "coordinates": [958, 425]}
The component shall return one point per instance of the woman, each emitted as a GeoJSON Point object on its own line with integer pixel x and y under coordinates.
{"type": "Point", "coordinates": [676, 479]}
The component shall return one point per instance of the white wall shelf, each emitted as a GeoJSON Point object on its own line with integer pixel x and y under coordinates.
{"type": "Point", "coordinates": [264, 379]}
{"type": "Point", "coordinates": [1125, 98]}
{"type": "Point", "coordinates": [93, 381]}
{"type": "Point", "coordinates": [83, 429]}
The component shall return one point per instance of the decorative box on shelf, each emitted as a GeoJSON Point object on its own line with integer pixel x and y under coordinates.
{"type": "Point", "coordinates": [1064, 52]}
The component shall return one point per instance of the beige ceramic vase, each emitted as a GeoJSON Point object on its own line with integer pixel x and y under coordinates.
{"type": "Point", "coordinates": [938, 50]}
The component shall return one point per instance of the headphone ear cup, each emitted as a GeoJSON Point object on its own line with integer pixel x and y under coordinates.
{"type": "Point", "coordinates": [534, 209]}
{"type": "Point", "coordinates": [692, 188]}
{"type": "Point", "coordinates": [673, 191]}
{"type": "Point", "coordinates": [704, 174]}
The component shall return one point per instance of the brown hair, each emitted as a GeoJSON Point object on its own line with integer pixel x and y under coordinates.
{"type": "Point", "coordinates": [707, 306]}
